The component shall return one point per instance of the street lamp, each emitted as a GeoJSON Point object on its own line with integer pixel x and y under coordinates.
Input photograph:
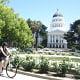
{"type": "Point", "coordinates": [36, 39]}
{"type": "Point", "coordinates": [37, 33]}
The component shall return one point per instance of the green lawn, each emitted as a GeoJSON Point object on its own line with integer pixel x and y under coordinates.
{"type": "Point", "coordinates": [53, 57]}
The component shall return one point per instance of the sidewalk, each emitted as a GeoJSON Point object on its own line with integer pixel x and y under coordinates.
{"type": "Point", "coordinates": [44, 76]}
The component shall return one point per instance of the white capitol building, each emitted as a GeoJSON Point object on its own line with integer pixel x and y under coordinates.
{"type": "Point", "coordinates": [55, 35]}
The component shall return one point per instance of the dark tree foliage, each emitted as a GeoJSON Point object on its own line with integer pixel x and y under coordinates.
{"type": "Point", "coordinates": [73, 35]}
{"type": "Point", "coordinates": [39, 29]}
{"type": "Point", "coordinates": [4, 1]}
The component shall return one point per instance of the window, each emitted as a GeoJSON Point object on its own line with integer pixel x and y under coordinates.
{"type": "Point", "coordinates": [63, 46]}
{"type": "Point", "coordinates": [50, 45]}
{"type": "Point", "coordinates": [53, 38]}
{"type": "Point", "coordinates": [57, 41]}
{"type": "Point", "coordinates": [59, 46]}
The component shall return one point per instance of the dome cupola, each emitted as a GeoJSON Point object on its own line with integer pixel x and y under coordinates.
{"type": "Point", "coordinates": [57, 21]}
{"type": "Point", "coordinates": [57, 14]}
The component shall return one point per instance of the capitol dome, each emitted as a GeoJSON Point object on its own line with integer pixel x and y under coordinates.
{"type": "Point", "coordinates": [55, 35]}
{"type": "Point", "coordinates": [57, 14]}
{"type": "Point", "coordinates": [57, 21]}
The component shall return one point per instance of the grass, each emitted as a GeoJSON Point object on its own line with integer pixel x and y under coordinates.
{"type": "Point", "coordinates": [53, 57]}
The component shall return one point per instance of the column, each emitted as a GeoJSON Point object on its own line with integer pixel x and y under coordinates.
{"type": "Point", "coordinates": [65, 45]}
{"type": "Point", "coordinates": [61, 45]}
{"type": "Point", "coordinates": [52, 42]}
{"type": "Point", "coordinates": [55, 41]}
{"type": "Point", "coordinates": [58, 45]}
{"type": "Point", "coordinates": [53, 38]}
{"type": "Point", "coordinates": [51, 45]}
{"type": "Point", "coordinates": [48, 38]}
{"type": "Point", "coordinates": [55, 45]}
{"type": "Point", "coordinates": [58, 40]}
{"type": "Point", "coordinates": [48, 42]}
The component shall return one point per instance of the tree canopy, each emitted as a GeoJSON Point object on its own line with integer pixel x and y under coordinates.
{"type": "Point", "coordinates": [34, 25]}
{"type": "Point", "coordinates": [4, 1]}
{"type": "Point", "coordinates": [14, 29]}
{"type": "Point", "coordinates": [73, 35]}
{"type": "Point", "coordinates": [37, 26]}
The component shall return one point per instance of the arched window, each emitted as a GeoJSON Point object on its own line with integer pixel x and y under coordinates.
{"type": "Point", "coordinates": [63, 46]}
{"type": "Point", "coordinates": [59, 46]}
{"type": "Point", "coordinates": [56, 40]}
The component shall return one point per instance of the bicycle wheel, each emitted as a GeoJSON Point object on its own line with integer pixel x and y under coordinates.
{"type": "Point", "coordinates": [10, 70]}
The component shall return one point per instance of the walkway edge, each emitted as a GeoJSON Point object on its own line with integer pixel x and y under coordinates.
{"type": "Point", "coordinates": [42, 76]}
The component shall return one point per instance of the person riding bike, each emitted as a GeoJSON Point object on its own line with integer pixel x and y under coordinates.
{"type": "Point", "coordinates": [4, 53]}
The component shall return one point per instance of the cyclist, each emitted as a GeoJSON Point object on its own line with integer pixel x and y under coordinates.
{"type": "Point", "coordinates": [4, 52]}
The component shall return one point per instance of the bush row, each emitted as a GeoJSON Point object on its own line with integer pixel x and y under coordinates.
{"type": "Point", "coordinates": [43, 65]}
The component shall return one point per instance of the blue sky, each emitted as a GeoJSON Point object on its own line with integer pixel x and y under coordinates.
{"type": "Point", "coordinates": [43, 10]}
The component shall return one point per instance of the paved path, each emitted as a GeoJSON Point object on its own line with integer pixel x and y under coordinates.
{"type": "Point", "coordinates": [19, 77]}
{"type": "Point", "coordinates": [25, 77]}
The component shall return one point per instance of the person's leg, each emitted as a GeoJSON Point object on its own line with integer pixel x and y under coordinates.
{"type": "Point", "coordinates": [1, 65]}
{"type": "Point", "coordinates": [5, 62]}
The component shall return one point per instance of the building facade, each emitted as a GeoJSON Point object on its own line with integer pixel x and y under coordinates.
{"type": "Point", "coordinates": [55, 35]}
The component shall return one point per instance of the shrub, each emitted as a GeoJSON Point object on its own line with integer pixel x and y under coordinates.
{"type": "Point", "coordinates": [28, 58]}
{"type": "Point", "coordinates": [77, 69]}
{"type": "Point", "coordinates": [40, 46]}
{"type": "Point", "coordinates": [43, 65]}
{"type": "Point", "coordinates": [28, 64]}
{"type": "Point", "coordinates": [70, 66]}
{"type": "Point", "coordinates": [16, 61]}
{"type": "Point", "coordinates": [63, 67]}
{"type": "Point", "coordinates": [54, 67]}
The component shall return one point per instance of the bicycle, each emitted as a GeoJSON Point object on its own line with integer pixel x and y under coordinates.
{"type": "Point", "coordinates": [11, 71]}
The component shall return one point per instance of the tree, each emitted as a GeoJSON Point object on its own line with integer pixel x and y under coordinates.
{"type": "Point", "coordinates": [73, 35]}
{"type": "Point", "coordinates": [4, 1]}
{"type": "Point", "coordinates": [39, 29]}
{"type": "Point", "coordinates": [34, 25]}
{"type": "Point", "coordinates": [14, 29]}
{"type": "Point", "coordinates": [43, 33]}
